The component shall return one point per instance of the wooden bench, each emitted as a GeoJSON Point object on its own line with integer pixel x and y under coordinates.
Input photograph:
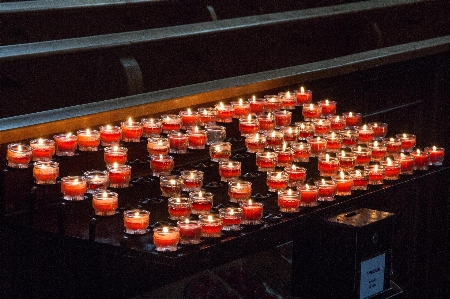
{"type": "Point", "coordinates": [54, 74]}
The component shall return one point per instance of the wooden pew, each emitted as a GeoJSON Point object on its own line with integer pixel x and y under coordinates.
{"type": "Point", "coordinates": [54, 74]}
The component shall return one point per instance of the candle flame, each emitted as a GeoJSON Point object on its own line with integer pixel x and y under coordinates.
{"type": "Point", "coordinates": [136, 214]}
{"type": "Point", "coordinates": [311, 106]}
{"type": "Point", "coordinates": [375, 144]}
{"type": "Point", "coordinates": [434, 148]}
{"type": "Point", "coordinates": [289, 191]}
{"type": "Point", "coordinates": [343, 153]}
{"type": "Point", "coordinates": [88, 132]}
{"type": "Point", "coordinates": [337, 118]}
{"type": "Point", "coordinates": [178, 200]}
{"type": "Point", "coordinates": [230, 164]}
{"type": "Point", "coordinates": [301, 146]}
{"type": "Point", "coordinates": [288, 94]}
{"type": "Point", "coordinates": [240, 101]}
{"type": "Point", "coordinates": [238, 185]}
{"type": "Point", "coordinates": [165, 229]}
{"type": "Point", "coordinates": [342, 175]}
{"type": "Point", "coordinates": [254, 98]}
{"type": "Point", "coordinates": [115, 165]}
{"type": "Point", "coordinates": [302, 89]}
{"type": "Point", "coordinates": [294, 167]}
{"type": "Point", "coordinates": [152, 120]}
{"type": "Point", "coordinates": [249, 117]}
{"type": "Point", "coordinates": [320, 122]}
{"type": "Point", "coordinates": [196, 129]}
{"type": "Point", "coordinates": [392, 140]}
{"type": "Point", "coordinates": [210, 218]}
{"type": "Point", "coordinates": [404, 135]}
{"type": "Point", "coordinates": [327, 102]}
{"type": "Point", "coordinates": [389, 161]}
{"type": "Point", "coordinates": [217, 148]}
{"type": "Point", "coordinates": [327, 158]}
{"type": "Point", "coordinates": [221, 105]}
{"type": "Point", "coordinates": [365, 127]}
{"type": "Point", "coordinates": [186, 221]}
{"type": "Point", "coordinates": [130, 121]}
{"type": "Point", "coordinates": [189, 112]}
{"type": "Point", "coordinates": [323, 181]}
{"type": "Point", "coordinates": [350, 114]}
{"type": "Point", "coordinates": [105, 194]}
{"type": "Point", "coordinates": [231, 212]}
{"type": "Point", "coordinates": [359, 148]}
{"type": "Point", "coordinates": [250, 202]}
{"type": "Point", "coordinates": [40, 141]}
{"type": "Point", "coordinates": [273, 134]}
{"type": "Point", "coordinates": [279, 175]}
{"type": "Point", "coordinates": [115, 148]}
{"type": "Point", "coordinates": [418, 151]}
{"type": "Point", "coordinates": [375, 167]}
{"type": "Point", "coordinates": [108, 127]}
{"type": "Point", "coordinates": [302, 126]}
{"type": "Point", "coordinates": [284, 145]}
{"type": "Point", "coordinates": [333, 135]}
{"type": "Point", "coordinates": [19, 148]}
{"type": "Point", "coordinates": [68, 135]}
{"type": "Point", "coordinates": [306, 186]}
{"type": "Point", "coordinates": [172, 182]}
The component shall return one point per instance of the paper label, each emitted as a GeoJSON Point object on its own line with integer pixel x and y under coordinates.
{"type": "Point", "coordinates": [372, 276]}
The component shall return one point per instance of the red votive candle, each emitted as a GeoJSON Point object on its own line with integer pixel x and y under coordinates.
{"type": "Point", "coordinates": [158, 145]}
{"type": "Point", "coordinates": [436, 154]}
{"type": "Point", "coordinates": [318, 145]}
{"type": "Point", "coordinates": [408, 142]}
{"type": "Point", "coordinates": [136, 221]}
{"type": "Point", "coordinates": [119, 175]}
{"type": "Point", "coordinates": [328, 166]}
{"type": "Point", "coordinates": [321, 126]}
{"type": "Point", "coordinates": [297, 175]}
{"type": "Point", "coordinates": [337, 122]}
{"type": "Point", "coordinates": [211, 226]}
{"type": "Point", "coordinates": [179, 142]}
{"type": "Point", "coordinates": [289, 201]}
{"type": "Point", "coordinates": [277, 180]}
{"type": "Point", "coordinates": [285, 155]}
{"type": "Point", "coordinates": [309, 194]}
{"type": "Point", "coordinates": [166, 238]}
{"type": "Point", "coordinates": [42, 149]}
{"type": "Point", "coordinates": [257, 105]}
{"type": "Point", "coordinates": [421, 159]}
{"type": "Point", "coordinates": [73, 187]}
{"type": "Point", "coordinates": [231, 218]}
{"type": "Point", "coordinates": [266, 121]}
{"type": "Point", "coordinates": [334, 142]}
{"type": "Point", "coordinates": [273, 102]}
{"type": "Point", "coordinates": [311, 111]}
{"type": "Point", "coordinates": [241, 109]}
{"type": "Point", "coordinates": [305, 129]}
{"type": "Point", "coordinates": [302, 151]}
{"type": "Point", "coordinates": [115, 154]}
{"type": "Point", "coordinates": [352, 119]}
{"type": "Point", "coordinates": [192, 180]}
{"type": "Point", "coordinates": [393, 146]}
{"type": "Point", "coordinates": [45, 172]}
{"type": "Point", "coordinates": [151, 127]}
{"type": "Point", "coordinates": [274, 139]}
{"type": "Point", "coordinates": [225, 113]}
{"type": "Point", "coordinates": [266, 161]}
{"type": "Point", "coordinates": [189, 119]}
{"type": "Point", "coordinates": [220, 151]}
{"type": "Point", "coordinates": [161, 164]}
{"type": "Point", "coordinates": [202, 202]}
{"type": "Point", "coordinates": [170, 122]}
{"type": "Point", "coordinates": [406, 164]}
{"type": "Point", "coordinates": [110, 135]}
{"type": "Point", "coordinates": [347, 160]}
{"type": "Point", "coordinates": [248, 125]}
{"type": "Point", "coordinates": [131, 131]}
{"type": "Point", "coordinates": [105, 203]}
{"type": "Point", "coordinates": [239, 190]}
{"type": "Point", "coordinates": [303, 96]}
{"type": "Point", "coordinates": [97, 180]}
{"type": "Point", "coordinates": [365, 134]}
{"type": "Point", "coordinates": [344, 184]}
{"type": "Point", "coordinates": [378, 149]}
{"type": "Point", "coordinates": [252, 212]}
{"type": "Point", "coordinates": [255, 143]}
{"type": "Point", "coordinates": [376, 174]}
{"type": "Point", "coordinates": [391, 169]}
{"type": "Point", "coordinates": [290, 134]}
{"type": "Point", "coordinates": [360, 179]}
{"type": "Point", "coordinates": [229, 170]}
{"type": "Point", "coordinates": [288, 100]}
{"type": "Point", "coordinates": [328, 107]}
{"type": "Point", "coordinates": [190, 231]}
{"type": "Point", "coordinates": [66, 144]}
{"type": "Point", "coordinates": [349, 138]}
{"type": "Point", "coordinates": [207, 116]}
{"type": "Point", "coordinates": [179, 207]}
{"type": "Point", "coordinates": [170, 185]}
{"type": "Point", "coordinates": [88, 140]}
{"type": "Point", "coordinates": [18, 155]}
{"type": "Point", "coordinates": [327, 189]}
{"type": "Point", "coordinates": [379, 130]}
{"type": "Point", "coordinates": [363, 155]}
{"type": "Point", "coordinates": [196, 138]}
{"type": "Point", "coordinates": [283, 118]}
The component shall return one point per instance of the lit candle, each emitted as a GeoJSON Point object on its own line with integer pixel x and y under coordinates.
{"type": "Point", "coordinates": [297, 175]}
{"type": "Point", "coordinates": [18, 155]}
{"type": "Point", "coordinates": [349, 138]}
{"type": "Point", "coordinates": [151, 127]}
{"type": "Point", "coordinates": [257, 105]}
{"type": "Point", "coordinates": [328, 107]}
{"type": "Point", "coordinates": [283, 118]}
{"type": "Point", "coordinates": [248, 125]}
{"type": "Point", "coordinates": [393, 146]}
{"type": "Point", "coordinates": [166, 238]}
{"type": "Point", "coordinates": [192, 180]}
{"type": "Point", "coordinates": [379, 151]}
{"type": "Point", "coordinates": [96, 180]}
{"type": "Point", "coordinates": [45, 172]}
{"type": "Point", "coordinates": [305, 129]}
{"type": "Point", "coordinates": [326, 189]}
{"type": "Point", "coordinates": [178, 142]}
{"type": "Point", "coordinates": [202, 202]}
{"type": "Point", "coordinates": [207, 116]}
{"type": "Point", "coordinates": [365, 133]}
{"type": "Point", "coordinates": [136, 221]}
{"type": "Point", "coordinates": [131, 131]}
{"type": "Point", "coordinates": [241, 108]}
{"type": "Point", "coordinates": [220, 151]}
{"type": "Point", "coordinates": [311, 111]}
{"type": "Point", "coordinates": [436, 155]}
{"type": "Point", "coordinates": [211, 226]}
{"type": "Point", "coordinates": [318, 145]}
{"type": "Point", "coordinates": [252, 212]}
{"type": "Point", "coordinates": [290, 133]}
{"type": "Point", "coordinates": [391, 169]}
{"type": "Point", "coordinates": [119, 175]}
{"type": "Point", "coordinates": [190, 231]}
{"type": "Point", "coordinates": [158, 145]}
{"type": "Point", "coordinates": [379, 130]}
{"type": "Point", "coordinates": [105, 203]}
{"type": "Point", "coordinates": [334, 142]}
{"type": "Point", "coordinates": [161, 164]}
{"type": "Point", "coordinates": [170, 185]}
{"type": "Point", "coordinates": [360, 179]}
{"type": "Point", "coordinates": [255, 143]}
{"type": "Point", "coordinates": [328, 166]}
{"type": "Point", "coordinates": [344, 184]}
{"type": "Point", "coordinates": [73, 187]}
{"type": "Point", "coordinates": [66, 144]}
{"type": "Point", "coordinates": [266, 161]}
{"type": "Point", "coordinates": [239, 190]}
{"type": "Point", "coordinates": [266, 121]}
{"type": "Point", "coordinates": [289, 201]}
{"type": "Point", "coordinates": [88, 140]}
{"type": "Point", "coordinates": [363, 155]}
{"type": "Point", "coordinates": [288, 100]}
{"type": "Point", "coordinates": [170, 122]}
{"type": "Point", "coordinates": [42, 149]}
{"type": "Point", "coordinates": [408, 141]}
{"type": "Point", "coordinates": [277, 180]}
{"type": "Point", "coordinates": [352, 119]}
{"type": "Point", "coordinates": [115, 154]}
{"type": "Point", "coordinates": [285, 155]}
{"type": "Point", "coordinates": [110, 135]}
{"type": "Point", "coordinates": [273, 102]}
{"type": "Point", "coordinates": [231, 218]}
{"type": "Point", "coordinates": [347, 160]}
{"type": "Point", "coordinates": [225, 113]}
{"type": "Point", "coordinates": [421, 159]}
{"type": "Point", "coordinates": [309, 194]}
{"type": "Point", "coordinates": [189, 119]}
{"type": "Point", "coordinates": [376, 174]}
{"type": "Point", "coordinates": [179, 207]}
{"type": "Point", "coordinates": [196, 138]}
{"type": "Point", "coordinates": [321, 126]}
{"type": "Point", "coordinates": [229, 170]}
{"type": "Point", "coordinates": [337, 122]}
{"type": "Point", "coordinates": [406, 164]}
{"type": "Point", "coordinates": [302, 151]}
{"type": "Point", "coordinates": [303, 96]}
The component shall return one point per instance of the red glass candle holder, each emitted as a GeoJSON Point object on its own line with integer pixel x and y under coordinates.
{"type": "Point", "coordinates": [110, 135]}
{"type": "Point", "coordinates": [393, 146]}
{"type": "Point", "coordinates": [277, 180]}
{"type": "Point", "coordinates": [189, 119]}
{"type": "Point", "coordinates": [392, 169]}
{"type": "Point", "coordinates": [158, 145]}
{"type": "Point", "coordinates": [239, 190]}
{"type": "Point", "coordinates": [257, 105]}
{"type": "Point", "coordinates": [347, 160]}
{"type": "Point", "coordinates": [119, 175]}
{"type": "Point", "coordinates": [88, 140]}
{"type": "Point", "coordinates": [131, 131]}
{"type": "Point", "coordinates": [363, 155]}
{"type": "Point", "coordinates": [285, 156]}
{"type": "Point", "coordinates": [196, 138]}
{"type": "Point", "coordinates": [318, 146]}
{"type": "Point", "coordinates": [115, 154]}
{"type": "Point", "coordinates": [305, 129]}
{"type": "Point", "coordinates": [288, 100]}
{"type": "Point", "coordinates": [73, 187]}
{"type": "Point", "coordinates": [66, 144]}
{"type": "Point", "coordinates": [45, 172]}
{"type": "Point", "coordinates": [349, 138]}
{"type": "Point", "coordinates": [311, 111]}
{"type": "Point", "coordinates": [328, 166]}
{"type": "Point", "coordinates": [327, 189]}
{"type": "Point", "coordinates": [352, 119]}
{"type": "Point", "coordinates": [408, 142]}
{"type": "Point", "coordinates": [436, 154]}
{"type": "Point", "coordinates": [376, 174]}
{"type": "Point", "coordinates": [273, 103]}
{"type": "Point", "coordinates": [42, 149]}
{"type": "Point", "coordinates": [302, 151]}
{"type": "Point", "coordinates": [334, 142]}
{"type": "Point", "coordinates": [255, 143]}
{"type": "Point", "coordinates": [379, 130]}
{"type": "Point", "coordinates": [170, 122]}
{"type": "Point", "coordinates": [266, 161]}
{"type": "Point", "coordinates": [274, 138]}
{"type": "Point", "coordinates": [170, 185]}
{"type": "Point", "coordinates": [220, 151]}
{"type": "Point", "coordinates": [248, 125]}
{"type": "Point", "coordinates": [303, 96]}
{"type": "Point", "coordinates": [289, 201]}
{"type": "Point", "coordinates": [231, 218]}
{"type": "Point", "coordinates": [190, 231]}
{"type": "Point", "coordinates": [211, 226]}
{"type": "Point", "coordinates": [309, 194]}
{"type": "Point", "coordinates": [297, 175]}
{"type": "Point", "coordinates": [378, 149]}
{"type": "Point", "coordinates": [192, 180]}
{"type": "Point", "coordinates": [151, 127]}
{"type": "Point", "coordinates": [421, 159]}
{"type": "Point", "coordinates": [18, 155]}
{"type": "Point", "coordinates": [161, 164]}
{"type": "Point", "coordinates": [241, 109]}
{"type": "Point", "coordinates": [179, 142]}
{"type": "Point", "coordinates": [365, 134]}
{"type": "Point", "coordinates": [321, 127]}
{"type": "Point", "coordinates": [290, 134]}
{"type": "Point", "coordinates": [344, 184]}
{"type": "Point", "coordinates": [406, 164]}
{"type": "Point", "coordinates": [225, 113]}
{"type": "Point", "coordinates": [360, 179]}
{"type": "Point", "coordinates": [136, 221]}
{"type": "Point", "coordinates": [96, 180]}
{"type": "Point", "coordinates": [179, 207]}
{"type": "Point", "coordinates": [283, 118]}
{"type": "Point", "coordinates": [207, 116]}
{"type": "Point", "coordinates": [105, 203]}
{"type": "Point", "coordinates": [337, 122]}
{"type": "Point", "coordinates": [166, 238]}
{"type": "Point", "coordinates": [229, 170]}
{"type": "Point", "coordinates": [252, 212]}
{"type": "Point", "coordinates": [328, 107]}
{"type": "Point", "coordinates": [202, 202]}
{"type": "Point", "coordinates": [266, 121]}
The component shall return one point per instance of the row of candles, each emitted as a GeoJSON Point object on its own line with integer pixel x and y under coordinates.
{"type": "Point", "coordinates": [268, 133]}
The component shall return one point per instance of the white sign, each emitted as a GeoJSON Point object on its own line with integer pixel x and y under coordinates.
{"type": "Point", "coordinates": [372, 276]}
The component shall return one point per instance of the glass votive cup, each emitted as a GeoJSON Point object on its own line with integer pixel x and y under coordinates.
{"type": "Point", "coordinates": [192, 180]}
{"type": "Point", "coordinates": [337, 122]}
{"type": "Point", "coordinates": [421, 159]}
{"type": "Point", "coordinates": [196, 138]}
{"type": "Point", "coordinates": [360, 179]}
{"type": "Point", "coordinates": [45, 172]}
{"type": "Point", "coordinates": [189, 119]}
{"type": "Point", "coordinates": [285, 156]}
{"type": "Point", "coordinates": [347, 160]}
{"type": "Point", "coordinates": [289, 201]}
{"type": "Point", "coordinates": [309, 194]}
{"type": "Point", "coordinates": [18, 155]}
{"type": "Point", "coordinates": [231, 218]}
{"type": "Point", "coordinates": [190, 231]}
{"type": "Point", "coordinates": [96, 180]}
{"type": "Point", "coordinates": [202, 202]}
{"type": "Point", "coordinates": [215, 134]}
{"type": "Point", "coordinates": [115, 154]}
{"type": "Point", "coordinates": [158, 145]}
{"type": "Point", "coordinates": [131, 131]}
{"type": "Point", "coordinates": [229, 170]}
{"type": "Point", "coordinates": [327, 189]}
{"type": "Point", "coordinates": [178, 142]}
{"type": "Point", "coordinates": [363, 155]}
{"type": "Point", "coordinates": [311, 111]}
{"type": "Point", "coordinates": [151, 127]}
{"type": "Point", "coordinates": [88, 140]}
{"type": "Point", "coordinates": [305, 129]}
{"type": "Point", "coordinates": [170, 185]}
{"type": "Point", "coordinates": [252, 212]}
{"type": "Point", "coordinates": [73, 187]}
{"type": "Point", "coordinates": [349, 138]}
{"type": "Point", "coordinates": [110, 135]}
{"type": "Point", "coordinates": [220, 151]}
{"type": "Point", "coordinates": [378, 149]}
{"type": "Point", "coordinates": [65, 144]}
{"type": "Point", "coordinates": [274, 138]}
{"type": "Point", "coordinates": [161, 164]}
{"type": "Point", "coordinates": [328, 166]}
{"type": "Point", "coordinates": [136, 221]}
{"type": "Point", "coordinates": [283, 118]}
{"type": "Point", "coordinates": [119, 175]}
{"type": "Point", "coordinates": [344, 184]}
{"type": "Point", "coordinates": [303, 96]}
{"type": "Point", "coordinates": [406, 164]}
{"type": "Point", "coordinates": [318, 146]}
{"type": "Point", "coordinates": [290, 134]}
{"type": "Point", "coordinates": [379, 130]}
{"type": "Point", "coordinates": [328, 107]}
{"type": "Point", "coordinates": [375, 173]}
{"type": "Point", "coordinates": [273, 102]}
{"type": "Point", "coordinates": [225, 113]}
{"type": "Point", "coordinates": [392, 169]}
{"type": "Point", "coordinates": [393, 146]}
{"type": "Point", "coordinates": [266, 161]}
{"type": "Point", "coordinates": [436, 154]}
{"type": "Point", "coordinates": [255, 143]}
{"type": "Point", "coordinates": [408, 142]}
{"type": "Point", "coordinates": [170, 122]}
{"type": "Point", "coordinates": [241, 109]}
{"type": "Point", "coordinates": [321, 127]}
{"type": "Point", "coordinates": [179, 207]}
{"type": "Point", "coordinates": [352, 119]}
{"type": "Point", "coordinates": [207, 116]}
{"type": "Point", "coordinates": [288, 100]}
{"type": "Point", "coordinates": [302, 151]}
{"type": "Point", "coordinates": [211, 226]}
{"type": "Point", "coordinates": [266, 121]}
{"type": "Point", "coordinates": [239, 190]}
{"type": "Point", "coordinates": [105, 203]}
{"type": "Point", "coordinates": [42, 149]}
{"type": "Point", "coordinates": [365, 134]}
{"type": "Point", "coordinates": [248, 125]}
{"type": "Point", "coordinates": [166, 238]}
{"type": "Point", "coordinates": [297, 175]}
{"type": "Point", "coordinates": [257, 105]}
{"type": "Point", "coordinates": [334, 142]}
{"type": "Point", "coordinates": [277, 180]}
